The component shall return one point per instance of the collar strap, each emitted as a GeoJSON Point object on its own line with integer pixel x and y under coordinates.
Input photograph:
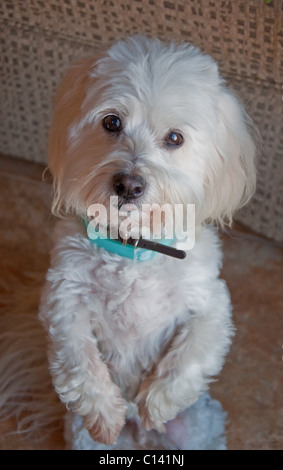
{"type": "Point", "coordinates": [139, 250]}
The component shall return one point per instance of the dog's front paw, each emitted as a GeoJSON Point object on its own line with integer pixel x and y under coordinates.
{"type": "Point", "coordinates": [160, 400]}
{"type": "Point", "coordinates": [155, 406]}
{"type": "Point", "coordinates": [149, 421]}
{"type": "Point", "coordinates": [106, 432]}
{"type": "Point", "coordinates": [105, 425]}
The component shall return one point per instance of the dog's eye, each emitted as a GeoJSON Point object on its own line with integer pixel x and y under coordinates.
{"type": "Point", "coordinates": [174, 139]}
{"type": "Point", "coordinates": [112, 123]}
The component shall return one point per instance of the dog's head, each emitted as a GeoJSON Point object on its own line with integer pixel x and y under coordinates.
{"type": "Point", "coordinates": [150, 123]}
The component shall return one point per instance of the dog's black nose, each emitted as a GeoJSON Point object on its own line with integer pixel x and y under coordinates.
{"type": "Point", "coordinates": [128, 186]}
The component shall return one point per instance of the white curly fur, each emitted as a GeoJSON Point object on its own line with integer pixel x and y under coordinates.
{"type": "Point", "coordinates": [151, 333]}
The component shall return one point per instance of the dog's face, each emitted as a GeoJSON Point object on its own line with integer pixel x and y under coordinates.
{"type": "Point", "coordinates": [150, 123]}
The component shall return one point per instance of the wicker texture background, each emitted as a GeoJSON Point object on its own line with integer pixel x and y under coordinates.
{"type": "Point", "coordinates": [39, 38]}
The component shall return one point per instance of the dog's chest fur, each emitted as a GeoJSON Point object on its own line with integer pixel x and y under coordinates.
{"type": "Point", "coordinates": [134, 307]}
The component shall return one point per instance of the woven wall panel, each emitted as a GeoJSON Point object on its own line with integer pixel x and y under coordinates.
{"type": "Point", "coordinates": [265, 212]}
{"type": "Point", "coordinates": [30, 69]}
{"type": "Point", "coordinates": [39, 38]}
{"type": "Point", "coordinates": [245, 35]}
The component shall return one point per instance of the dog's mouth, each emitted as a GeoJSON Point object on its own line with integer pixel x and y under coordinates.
{"type": "Point", "coordinates": [163, 247]}
{"type": "Point", "coordinates": [128, 201]}
{"type": "Point", "coordinates": [134, 223]}
{"type": "Point", "coordinates": [131, 216]}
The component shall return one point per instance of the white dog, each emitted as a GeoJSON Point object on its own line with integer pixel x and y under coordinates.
{"type": "Point", "coordinates": [148, 123]}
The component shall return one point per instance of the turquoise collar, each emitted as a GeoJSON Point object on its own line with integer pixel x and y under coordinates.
{"type": "Point", "coordinates": [118, 248]}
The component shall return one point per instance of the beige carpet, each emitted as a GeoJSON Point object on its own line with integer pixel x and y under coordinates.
{"type": "Point", "coordinates": [250, 385]}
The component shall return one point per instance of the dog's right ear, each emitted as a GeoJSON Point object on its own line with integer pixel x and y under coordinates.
{"type": "Point", "coordinates": [231, 176]}
{"type": "Point", "coordinates": [68, 109]}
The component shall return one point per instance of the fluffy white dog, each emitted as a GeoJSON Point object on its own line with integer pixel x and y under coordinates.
{"type": "Point", "coordinates": [148, 123]}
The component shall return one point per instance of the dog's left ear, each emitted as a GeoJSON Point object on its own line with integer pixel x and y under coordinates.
{"type": "Point", "coordinates": [231, 175]}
